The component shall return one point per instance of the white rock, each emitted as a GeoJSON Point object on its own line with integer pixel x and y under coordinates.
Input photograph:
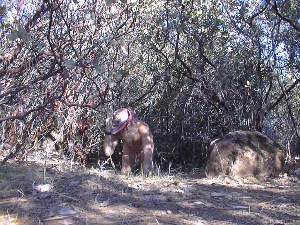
{"type": "Point", "coordinates": [66, 211]}
{"type": "Point", "coordinates": [42, 187]}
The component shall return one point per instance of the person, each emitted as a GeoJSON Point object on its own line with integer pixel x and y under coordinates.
{"type": "Point", "coordinates": [137, 139]}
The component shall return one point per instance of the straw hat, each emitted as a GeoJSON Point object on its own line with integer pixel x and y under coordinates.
{"type": "Point", "coordinates": [121, 118]}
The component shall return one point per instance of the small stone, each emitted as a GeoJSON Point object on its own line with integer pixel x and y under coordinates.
{"type": "Point", "coordinates": [169, 212]}
{"type": "Point", "coordinates": [66, 211]}
{"type": "Point", "coordinates": [104, 204]}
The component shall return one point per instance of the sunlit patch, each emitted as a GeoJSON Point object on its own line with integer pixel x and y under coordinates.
{"type": "Point", "coordinates": [14, 219]}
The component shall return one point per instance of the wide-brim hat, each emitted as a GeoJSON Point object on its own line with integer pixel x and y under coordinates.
{"type": "Point", "coordinates": [121, 118]}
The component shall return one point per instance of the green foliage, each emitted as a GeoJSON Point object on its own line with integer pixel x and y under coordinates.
{"type": "Point", "coordinates": [194, 70]}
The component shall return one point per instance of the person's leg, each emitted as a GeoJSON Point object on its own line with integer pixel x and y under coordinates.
{"type": "Point", "coordinates": [128, 159]}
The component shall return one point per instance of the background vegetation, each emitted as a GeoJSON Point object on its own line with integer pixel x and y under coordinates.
{"type": "Point", "coordinates": [194, 70]}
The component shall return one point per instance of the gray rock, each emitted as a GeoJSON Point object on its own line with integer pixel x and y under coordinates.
{"type": "Point", "coordinates": [243, 154]}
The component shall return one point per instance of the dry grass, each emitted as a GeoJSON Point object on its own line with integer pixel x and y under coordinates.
{"type": "Point", "coordinates": [79, 196]}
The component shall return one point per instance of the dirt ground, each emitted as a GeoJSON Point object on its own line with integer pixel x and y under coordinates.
{"type": "Point", "coordinates": [55, 194]}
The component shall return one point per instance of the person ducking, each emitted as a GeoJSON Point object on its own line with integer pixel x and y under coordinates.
{"type": "Point", "coordinates": [137, 139]}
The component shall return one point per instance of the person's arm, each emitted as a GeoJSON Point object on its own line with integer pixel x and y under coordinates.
{"type": "Point", "coordinates": [148, 148]}
{"type": "Point", "coordinates": [110, 141]}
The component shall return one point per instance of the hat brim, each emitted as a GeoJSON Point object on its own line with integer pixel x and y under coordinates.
{"type": "Point", "coordinates": [118, 127]}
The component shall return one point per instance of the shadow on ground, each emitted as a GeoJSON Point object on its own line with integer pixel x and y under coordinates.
{"type": "Point", "coordinates": [35, 194]}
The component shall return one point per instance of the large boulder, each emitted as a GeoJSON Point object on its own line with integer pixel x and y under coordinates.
{"type": "Point", "coordinates": [243, 154]}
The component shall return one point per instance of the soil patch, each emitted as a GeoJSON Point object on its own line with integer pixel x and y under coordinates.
{"type": "Point", "coordinates": [57, 195]}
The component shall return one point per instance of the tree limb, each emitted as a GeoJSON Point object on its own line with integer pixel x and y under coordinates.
{"type": "Point", "coordinates": [284, 94]}
{"type": "Point", "coordinates": [275, 8]}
